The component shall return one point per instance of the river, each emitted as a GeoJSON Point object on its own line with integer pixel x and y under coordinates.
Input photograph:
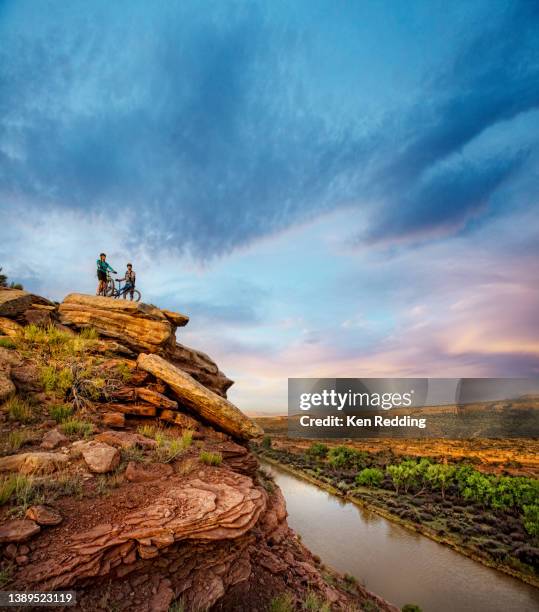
{"type": "Point", "coordinates": [397, 564]}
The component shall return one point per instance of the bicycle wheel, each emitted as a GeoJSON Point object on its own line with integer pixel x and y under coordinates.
{"type": "Point", "coordinates": [109, 289]}
{"type": "Point", "coordinates": [136, 295]}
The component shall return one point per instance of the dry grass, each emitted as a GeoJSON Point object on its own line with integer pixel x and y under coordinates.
{"type": "Point", "coordinates": [170, 447]}
{"type": "Point", "coordinates": [18, 438]}
{"type": "Point", "coordinates": [18, 409]}
{"type": "Point", "coordinates": [210, 458]}
{"type": "Point", "coordinates": [77, 427]}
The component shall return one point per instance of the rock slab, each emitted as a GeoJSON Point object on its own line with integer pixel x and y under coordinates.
{"type": "Point", "coordinates": [18, 530]}
{"type": "Point", "coordinates": [139, 326]}
{"type": "Point", "coordinates": [215, 409]}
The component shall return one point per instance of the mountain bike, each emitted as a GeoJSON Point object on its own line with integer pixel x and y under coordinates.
{"type": "Point", "coordinates": [120, 291]}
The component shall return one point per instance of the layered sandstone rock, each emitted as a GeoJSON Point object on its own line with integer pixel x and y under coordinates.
{"type": "Point", "coordinates": [139, 326]}
{"type": "Point", "coordinates": [210, 406]}
{"type": "Point", "coordinates": [22, 306]}
{"type": "Point", "coordinates": [142, 328]}
{"type": "Point", "coordinates": [221, 506]}
{"type": "Point", "coordinates": [200, 366]}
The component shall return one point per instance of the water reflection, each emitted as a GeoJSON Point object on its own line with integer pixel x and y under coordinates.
{"type": "Point", "coordinates": [400, 565]}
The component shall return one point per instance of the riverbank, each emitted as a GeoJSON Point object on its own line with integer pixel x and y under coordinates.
{"type": "Point", "coordinates": [382, 502]}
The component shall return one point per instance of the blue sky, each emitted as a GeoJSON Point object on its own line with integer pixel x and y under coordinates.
{"type": "Point", "coordinates": [326, 188]}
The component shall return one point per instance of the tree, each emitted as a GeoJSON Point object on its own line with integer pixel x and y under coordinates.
{"type": "Point", "coordinates": [440, 476]}
{"type": "Point", "coordinates": [370, 477]}
{"type": "Point", "coordinates": [478, 488]}
{"type": "Point", "coordinates": [3, 279]}
{"type": "Point", "coordinates": [397, 473]}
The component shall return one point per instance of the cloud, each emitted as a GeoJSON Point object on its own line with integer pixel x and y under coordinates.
{"type": "Point", "coordinates": [209, 126]}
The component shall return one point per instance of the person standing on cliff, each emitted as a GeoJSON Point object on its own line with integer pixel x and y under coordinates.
{"type": "Point", "coordinates": [130, 280]}
{"type": "Point", "coordinates": [102, 268]}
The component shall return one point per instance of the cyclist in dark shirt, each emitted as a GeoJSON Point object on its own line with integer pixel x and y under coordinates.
{"type": "Point", "coordinates": [102, 268]}
{"type": "Point", "coordinates": [130, 279]}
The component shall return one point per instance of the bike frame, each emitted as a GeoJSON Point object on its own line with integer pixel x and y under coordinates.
{"type": "Point", "coordinates": [120, 290]}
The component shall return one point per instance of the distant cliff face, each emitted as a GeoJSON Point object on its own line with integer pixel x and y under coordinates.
{"type": "Point", "coordinates": [125, 470]}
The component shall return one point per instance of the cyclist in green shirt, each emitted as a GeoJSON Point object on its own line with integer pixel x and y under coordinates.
{"type": "Point", "coordinates": [102, 268]}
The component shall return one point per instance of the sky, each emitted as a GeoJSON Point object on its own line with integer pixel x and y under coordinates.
{"type": "Point", "coordinates": [327, 188]}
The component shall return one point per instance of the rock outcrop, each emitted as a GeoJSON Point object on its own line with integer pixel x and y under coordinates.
{"type": "Point", "coordinates": [139, 326]}
{"type": "Point", "coordinates": [210, 406]}
{"type": "Point", "coordinates": [143, 328]}
{"type": "Point", "coordinates": [24, 307]}
{"type": "Point", "coordinates": [155, 496]}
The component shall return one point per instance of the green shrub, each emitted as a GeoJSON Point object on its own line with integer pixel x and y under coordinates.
{"type": "Point", "coordinates": [531, 519]}
{"type": "Point", "coordinates": [343, 457]}
{"type": "Point", "coordinates": [149, 431]}
{"type": "Point", "coordinates": [124, 372]}
{"type": "Point", "coordinates": [20, 488]}
{"type": "Point", "coordinates": [313, 603]}
{"type": "Point", "coordinates": [6, 573]}
{"type": "Point", "coordinates": [266, 442]}
{"type": "Point", "coordinates": [56, 380]}
{"type": "Point", "coordinates": [89, 333]}
{"type": "Point", "coordinates": [7, 343]}
{"type": "Point", "coordinates": [370, 477]}
{"type": "Point", "coordinates": [177, 606]}
{"type": "Point", "coordinates": [17, 438]}
{"type": "Point", "coordinates": [282, 603]}
{"type": "Point", "coordinates": [18, 410]}
{"type": "Point", "coordinates": [410, 608]}
{"type": "Point", "coordinates": [170, 447]}
{"type": "Point", "coordinates": [8, 484]}
{"type": "Point", "coordinates": [60, 412]}
{"type": "Point", "coordinates": [77, 427]}
{"type": "Point", "coordinates": [210, 458]}
{"type": "Point", "coordinates": [317, 449]}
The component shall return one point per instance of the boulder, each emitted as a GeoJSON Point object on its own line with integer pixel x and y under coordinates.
{"type": "Point", "coordinates": [14, 303]}
{"type": "Point", "coordinates": [18, 530]}
{"type": "Point", "coordinates": [33, 463]}
{"type": "Point", "coordinates": [200, 367]}
{"type": "Point", "coordinates": [138, 326]}
{"type": "Point", "coordinates": [44, 515]}
{"type": "Point", "coordinates": [210, 406]}
{"type": "Point", "coordinates": [52, 439]}
{"type": "Point", "coordinates": [38, 316]}
{"type": "Point", "coordinates": [26, 377]}
{"type": "Point", "coordinates": [100, 457]}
